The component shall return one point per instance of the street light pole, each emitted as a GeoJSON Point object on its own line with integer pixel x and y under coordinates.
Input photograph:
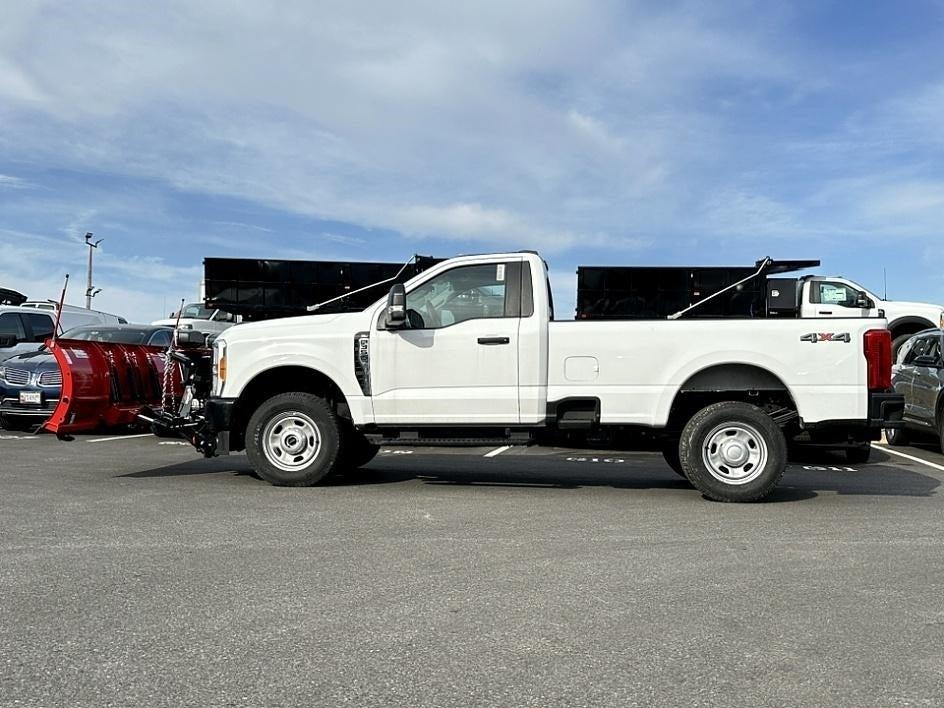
{"type": "Point", "coordinates": [89, 294]}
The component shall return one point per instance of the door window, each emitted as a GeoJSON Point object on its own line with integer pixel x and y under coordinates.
{"type": "Point", "coordinates": [918, 348]}
{"type": "Point", "coordinates": [934, 348]}
{"type": "Point", "coordinates": [835, 294]}
{"type": "Point", "coordinates": [41, 325]}
{"type": "Point", "coordinates": [460, 294]}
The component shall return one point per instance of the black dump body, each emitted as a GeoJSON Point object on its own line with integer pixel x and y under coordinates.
{"type": "Point", "coordinates": [264, 289]}
{"type": "Point", "coordinates": [654, 293]}
{"type": "Point", "coordinates": [11, 297]}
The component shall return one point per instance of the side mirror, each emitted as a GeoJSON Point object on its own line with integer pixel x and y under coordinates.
{"type": "Point", "coordinates": [864, 302]}
{"type": "Point", "coordinates": [8, 340]}
{"type": "Point", "coordinates": [395, 316]}
{"type": "Point", "coordinates": [191, 339]}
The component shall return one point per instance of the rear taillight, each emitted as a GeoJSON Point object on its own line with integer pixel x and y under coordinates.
{"type": "Point", "coordinates": [878, 355]}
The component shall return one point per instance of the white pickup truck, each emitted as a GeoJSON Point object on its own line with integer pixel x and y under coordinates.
{"type": "Point", "coordinates": [469, 352]}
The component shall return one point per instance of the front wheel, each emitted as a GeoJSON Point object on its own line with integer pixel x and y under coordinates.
{"type": "Point", "coordinates": [733, 452]}
{"type": "Point", "coordinates": [292, 440]}
{"type": "Point", "coordinates": [896, 344]}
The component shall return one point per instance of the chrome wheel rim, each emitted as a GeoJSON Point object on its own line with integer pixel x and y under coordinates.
{"type": "Point", "coordinates": [291, 441]}
{"type": "Point", "coordinates": [735, 453]}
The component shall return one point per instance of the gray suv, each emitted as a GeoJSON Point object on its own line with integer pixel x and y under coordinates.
{"type": "Point", "coordinates": [919, 374]}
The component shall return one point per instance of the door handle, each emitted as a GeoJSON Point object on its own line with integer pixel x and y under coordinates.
{"type": "Point", "coordinates": [494, 340]}
{"type": "Point", "coordinates": [825, 312]}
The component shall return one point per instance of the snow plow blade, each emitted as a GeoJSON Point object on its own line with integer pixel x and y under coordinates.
{"type": "Point", "coordinates": [106, 384]}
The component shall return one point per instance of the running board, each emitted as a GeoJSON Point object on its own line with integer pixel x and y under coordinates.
{"type": "Point", "coordinates": [413, 438]}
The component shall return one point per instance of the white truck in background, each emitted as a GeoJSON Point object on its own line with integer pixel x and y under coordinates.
{"type": "Point", "coordinates": [468, 352]}
{"type": "Point", "coordinates": [821, 296]}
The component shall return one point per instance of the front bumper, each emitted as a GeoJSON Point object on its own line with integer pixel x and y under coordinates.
{"type": "Point", "coordinates": [219, 414]}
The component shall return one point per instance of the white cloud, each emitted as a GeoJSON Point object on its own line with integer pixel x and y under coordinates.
{"type": "Point", "coordinates": [478, 119]}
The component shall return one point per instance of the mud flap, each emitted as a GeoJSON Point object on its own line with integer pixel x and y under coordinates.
{"type": "Point", "coordinates": [108, 384]}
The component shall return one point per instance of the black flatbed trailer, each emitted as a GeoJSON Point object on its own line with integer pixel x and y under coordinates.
{"type": "Point", "coordinates": [259, 289]}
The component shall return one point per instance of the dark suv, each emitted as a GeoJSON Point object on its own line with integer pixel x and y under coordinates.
{"type": "Point", "coordinates": [919, 374]}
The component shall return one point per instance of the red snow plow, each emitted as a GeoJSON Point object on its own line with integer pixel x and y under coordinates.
{"type": "Point", "coordinates": [107, 384]}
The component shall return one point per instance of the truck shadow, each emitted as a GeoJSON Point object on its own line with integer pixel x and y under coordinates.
{"type": "Point", "coordinates": [806, 477]}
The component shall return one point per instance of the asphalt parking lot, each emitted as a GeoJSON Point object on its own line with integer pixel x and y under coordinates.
{"type": "Point", "coordinates": [136, 573]}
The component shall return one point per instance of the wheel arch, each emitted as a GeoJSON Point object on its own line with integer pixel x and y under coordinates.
{"type": "Point", "coordinates": [909, 324]}
{"type": "Point", "coordinates": [282, 379]}
{"type": "Point", "coordinates": [745, 382]}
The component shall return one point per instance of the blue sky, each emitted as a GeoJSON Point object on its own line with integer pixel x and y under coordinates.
{"type": "Point", "coordinates": [596, 132]}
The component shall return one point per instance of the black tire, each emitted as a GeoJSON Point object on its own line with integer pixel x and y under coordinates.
{"type": "Point", "coordinates": [896, 437]}
{"type": "Point", "coordinates": [859, 454]}
{"type": "Point", "coordinates": [897, 342]}
{"type": "Point", "coordinates": [299, 419]}
{"type": "Point", "coordinates": [758, 436]}
{"type": "Point", "coordinates": [670, 452]}
{"type": "Point", "coordinates": [356, 450]}
{"type": "Point", "coordinates": [940, 430]}
{"type": "Point", "coordinates": [18, 422]}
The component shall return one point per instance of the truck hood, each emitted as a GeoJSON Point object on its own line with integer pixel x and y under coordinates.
{"type": "Point", "coordinates": [899, 308]}
{"type": "Point", "coordinates": [287, 326]}
{"type": "Point", "coordinates": [39, 360]}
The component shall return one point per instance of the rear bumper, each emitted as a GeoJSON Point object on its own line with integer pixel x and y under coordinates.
{"type": "Point", "coordinates": [886, 410]}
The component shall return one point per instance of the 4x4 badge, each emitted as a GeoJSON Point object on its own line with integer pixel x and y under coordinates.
{"type": "Point", "coordinates": [815, 337]}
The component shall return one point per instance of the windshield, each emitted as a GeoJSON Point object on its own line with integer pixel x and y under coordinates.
{"type": "Point", "coordinates": [196, 312]}
{"type": "Point", "coordinates": [123, 335]}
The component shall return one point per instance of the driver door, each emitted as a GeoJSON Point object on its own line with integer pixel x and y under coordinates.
{"type": "Point", "coordinates": [456, 361]}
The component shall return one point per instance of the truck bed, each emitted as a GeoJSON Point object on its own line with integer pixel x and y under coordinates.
{"type": "Point", "coordinates": [620, 361]}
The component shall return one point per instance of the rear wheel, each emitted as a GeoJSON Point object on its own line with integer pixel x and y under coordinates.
{"type": "Point", "coordinates": [859, 454]}
{"type": "Point", "coordinates": [733, 452]}
{"type": "Point", "coordinates": [896, 436]}
{"type": "Point", "coordinates": [940, 431]}
{"type": "Point", "coordinates": [292, 440]}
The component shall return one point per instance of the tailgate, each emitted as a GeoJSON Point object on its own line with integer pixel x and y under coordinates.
{"type": "Point", "coordinates": [107, 384]}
